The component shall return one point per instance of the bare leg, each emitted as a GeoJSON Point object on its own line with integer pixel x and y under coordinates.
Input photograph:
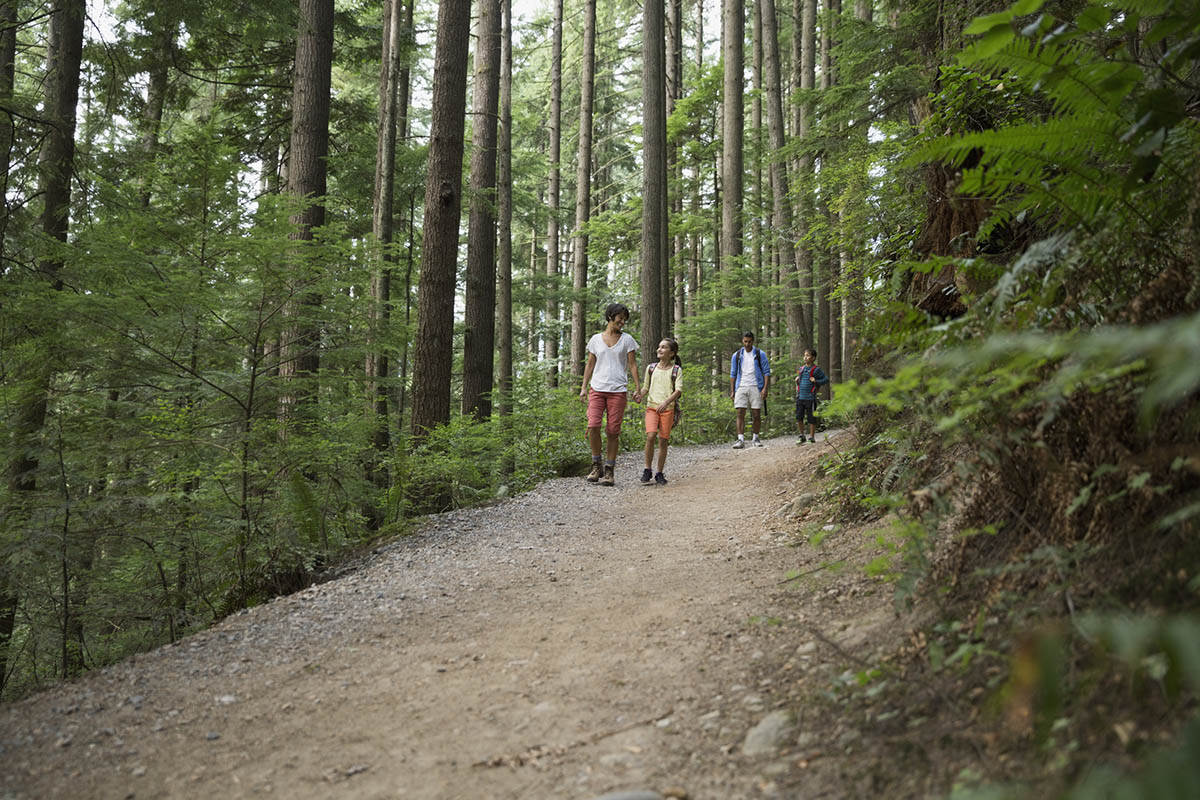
{"type": "Point", "coordinates": [614, 443]}
{"type": "Point", "coordinates": [649, 448]}
{"type": "Point", "coordinates": [741, 421]}
{"type": "Point", "coordinates": [593, 435]}
{"type": "Point", "coordinates": [757, 415]}
{"type": "Point", "coordinates": [662, 453]}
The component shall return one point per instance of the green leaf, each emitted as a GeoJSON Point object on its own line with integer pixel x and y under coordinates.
{"type": "Point", "coordinates": [1093, 18]}
{"type": "Point", "coordinates": [989, 22]}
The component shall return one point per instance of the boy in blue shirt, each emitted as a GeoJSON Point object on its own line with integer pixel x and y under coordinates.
{"type": "Point", "coordinates": [809, 378]}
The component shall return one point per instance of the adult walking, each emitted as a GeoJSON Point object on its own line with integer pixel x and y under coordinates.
{"type": "Point", "coordinates": [749, 379]}
{"type": "Point", "coordinates": [605, 389]}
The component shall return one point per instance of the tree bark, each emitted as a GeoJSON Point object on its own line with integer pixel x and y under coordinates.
{"type": "Point", "coordinates": [781, 210]}
{"type": "Point", "coordinates": [383, 205]}
{"type": "Point", "coordinates": [56, 164]}
{"type": "Point", "coordinates": [583, 189]}
{"type": "Point", "coordinates": [732, 125]}
{"type": "Point", "coordinates": [433, 350]}
{"type": "Point", "coordinates": [654, 175]}
{"type": "Point", "coordinates": [550, 342]}
{"type": "Point", "coordinates": [479, 357]}
{"type": "Point", "coordinates": [504, 253]}
{"type": "Point", "coordinates": [309, 149]}
{"type": "Point", "coordinates": [804, 53]}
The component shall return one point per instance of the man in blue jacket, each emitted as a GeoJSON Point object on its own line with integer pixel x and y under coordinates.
{"type": "Point", "coordinates": [749, 379]}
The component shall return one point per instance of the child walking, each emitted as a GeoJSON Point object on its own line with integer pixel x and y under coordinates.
{"type": "Point", "coordinates": [809, 378]}
{"type": "Point", "coordinates": [664, 385]}
{"type": "Point", "coordinates": [605, 388]}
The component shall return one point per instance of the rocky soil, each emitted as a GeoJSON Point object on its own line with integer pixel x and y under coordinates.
{"type": "Point", "coordinates": [575, 641]}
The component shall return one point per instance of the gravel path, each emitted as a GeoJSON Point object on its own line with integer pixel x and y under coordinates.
{"type": "Point", "coordinates": [571, 642]}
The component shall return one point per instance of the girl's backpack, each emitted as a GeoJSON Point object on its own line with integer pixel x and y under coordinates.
{"type": "Point", "coordinates": [674, 375]}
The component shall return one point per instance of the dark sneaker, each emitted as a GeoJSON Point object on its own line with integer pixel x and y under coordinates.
{"type": "Point", "coordinates": [608, 479]}
{"type": "Point", "coordinates": [647, 476]}
{"type": "Point", "coordinates": [597, 471]}
{"type": "Point", "coordinates": [802, 440]}
{"type": "Point", "coordinates": [739, 444]}
{"type": "Point", "coordinates": [659, 479]}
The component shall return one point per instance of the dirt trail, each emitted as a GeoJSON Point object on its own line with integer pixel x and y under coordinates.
{"type": "Point", "coordinates": [571, 642]}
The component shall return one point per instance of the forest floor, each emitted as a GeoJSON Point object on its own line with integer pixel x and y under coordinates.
{"type": "Point", "coordinates": [571, 642]}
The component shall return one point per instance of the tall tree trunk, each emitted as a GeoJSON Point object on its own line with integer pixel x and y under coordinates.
{"type": "Point", "coordinates": [583, 189]}
{"type": "Point", "coordinates": [383, 205]}
{"type": "Point", "coordinates": [403, 91]}
{"type": "Point", "coordinates": [676, 276]}
{"type": "Point", "coordinates": [479, 358]}
{"type": "Point", "coordinates": [781, 209]}
{"type": "Point", "coordinates": [654, 175]}
{"type": "Point", "coordinates": [434, 354]}
{"type": "Point", "coordinates": [552, 255]}
{"type": "Point", "coordinates": [732, 124]}
{"type": "Point", "coordinates": [165, 28]}
{"type": "Point", "coordinates": [696, 270]}
{"type": "Point", "coordinates": [8, 59]}
{"type": "Point", "coordinates": [56, 164]}
{"type": "Point", "coordinates": [309, 149]}
{"type": "Point", "coordinates": [504, 198]}
{"type": "Point", "coordinates": [830, 330]}
{"type": "Point", "coordinates": [852, 273]}
{"type": "Point", "coordinates": [805, 54]}
{"type": "Point", "coordinates": [756, 140]}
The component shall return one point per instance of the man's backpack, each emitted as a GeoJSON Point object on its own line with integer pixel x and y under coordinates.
{"type": "Point", "coordinates": [812, 381]}
{"type": "Point", "coordinates": [674, 375]}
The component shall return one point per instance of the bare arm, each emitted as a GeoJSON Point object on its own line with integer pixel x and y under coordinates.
{"type": "Point", "coordinates": [587, 376]}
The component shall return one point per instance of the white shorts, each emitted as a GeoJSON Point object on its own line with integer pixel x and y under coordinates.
{"type": "Point", "coordinates": [748, 396]}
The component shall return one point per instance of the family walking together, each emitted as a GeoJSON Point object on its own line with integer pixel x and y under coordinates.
{"type": "Point", "coordinates": [612, 360]}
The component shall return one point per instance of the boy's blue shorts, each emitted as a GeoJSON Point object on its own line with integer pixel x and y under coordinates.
{"type": "Point", "coordinates": [806, 407]}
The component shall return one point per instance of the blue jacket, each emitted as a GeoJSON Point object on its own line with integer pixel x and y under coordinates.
{"type": "Point", "coordinates": [808, 381]}
{"type": "Point", "coordinates": [762, 367]}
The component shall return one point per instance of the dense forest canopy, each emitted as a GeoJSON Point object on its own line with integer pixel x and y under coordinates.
{"type": "Point", "coordinates": [277, 278]}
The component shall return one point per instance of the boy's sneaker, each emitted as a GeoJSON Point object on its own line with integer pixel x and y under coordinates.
{"type": "Point", "coordinates": [608, 479]}
{"type": "Point", "coordinates": [802, 440]}
{"type": "Point", "coordinates": [659, 479]}
{"type": "Point", "coordinates": [597, 471]}
{"type": "Point", "coordinates": [739, 444]}
{"type": "Point", "coordinates": [647, 476]}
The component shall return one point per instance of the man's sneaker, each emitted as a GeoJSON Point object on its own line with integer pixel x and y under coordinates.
{"type": "Point", "coordinates": [647, 476]}
{"type": "Point", "coordinates": [758, 442]}
{"type": "Point", "coordinates": [597, 471]}
{"type": "Point", "coordinates": [802, 440]}
{"type": "Point", "coordinates": [659, 479]}
{"type": "Point", "coordinates": [607, 480]}
{"type": "Point", "coordinates": [739, 444]}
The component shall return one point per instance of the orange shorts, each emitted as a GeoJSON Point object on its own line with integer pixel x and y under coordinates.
{"type": "Point", "coordinates": [660, 423]}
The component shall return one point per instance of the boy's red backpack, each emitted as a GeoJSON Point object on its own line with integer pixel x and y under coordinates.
{"type": "Point", "coordinates": [674, 375]}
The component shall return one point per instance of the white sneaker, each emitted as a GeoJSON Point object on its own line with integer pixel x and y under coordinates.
{"type": "Point", "coordinates": [739, 444]}
{"type": "Point", "coordinates": [757, 442]}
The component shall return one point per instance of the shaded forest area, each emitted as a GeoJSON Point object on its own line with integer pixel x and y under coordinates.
{"type": "Point", "coordinates": [278, 278]}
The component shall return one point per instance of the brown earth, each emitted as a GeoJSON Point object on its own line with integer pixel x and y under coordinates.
{"type": "Point", "coordinates": [570, 642]}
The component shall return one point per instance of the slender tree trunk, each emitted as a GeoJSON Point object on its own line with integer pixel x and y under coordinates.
{"type": "Point", "coordinates": [299, 354]}
{"type": "Point", "coordinates": [829, 332]}
{"type": "Point", "coordinates": [403, 90]}
{"type": "Point", "coordinates": [583, 189]}
{"type": "Point", "coordinates": [433, 350]}
{"type": "Point", "coordinates": [756, 140]}
{"type": "Point", "coordinates": [654, 175]}
{"type": "Point", "coordinates": [732, 125]}
{"type": "Point", "coordinates": [479, 356]}
{"type": "Point", "coordinates": [56, 164]}
{"type": "Point", "coordinates": [8, 58]}
{"type": "Point", "coordinates": [504, 199]}
{"type": "Point", "coordinates": [696, 271]}
{"type": "Point", "coordinates": [552, 255]}
{"type": "Point", "coordinates": [781, 210]}
{"type": "Point", "coordinates": [852, 273]}
{"type": "Point", "coordinates": [805, 53]}
{"type": "Point", "coordinates": [676, 275]}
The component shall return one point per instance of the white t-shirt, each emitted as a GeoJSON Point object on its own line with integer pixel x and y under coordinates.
{"type": "Point", "coordinates": [611, 372]}
{"type": "Point", "coordinates": [748, 377]}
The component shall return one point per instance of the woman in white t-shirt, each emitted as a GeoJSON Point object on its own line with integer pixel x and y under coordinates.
{"type": "Point", "coordinates": [605, 388]}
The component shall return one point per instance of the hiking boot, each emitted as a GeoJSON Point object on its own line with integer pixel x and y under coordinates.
{"type": "Point", "coordinates": [597, 471]}
{"type": "Point", "coordinates": [608, 479]}
{"type": "Point", "coordinates": [739, 444]}
{"type": "Point", "coordinates": [659, 479]}
{"type": "Point", "coordinates": [647, 476]}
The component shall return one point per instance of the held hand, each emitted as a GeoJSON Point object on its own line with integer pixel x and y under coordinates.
{"type": "Point", "coordinates": [663, 408]}
{"type": "Point", "coordinates": [583, 396]}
